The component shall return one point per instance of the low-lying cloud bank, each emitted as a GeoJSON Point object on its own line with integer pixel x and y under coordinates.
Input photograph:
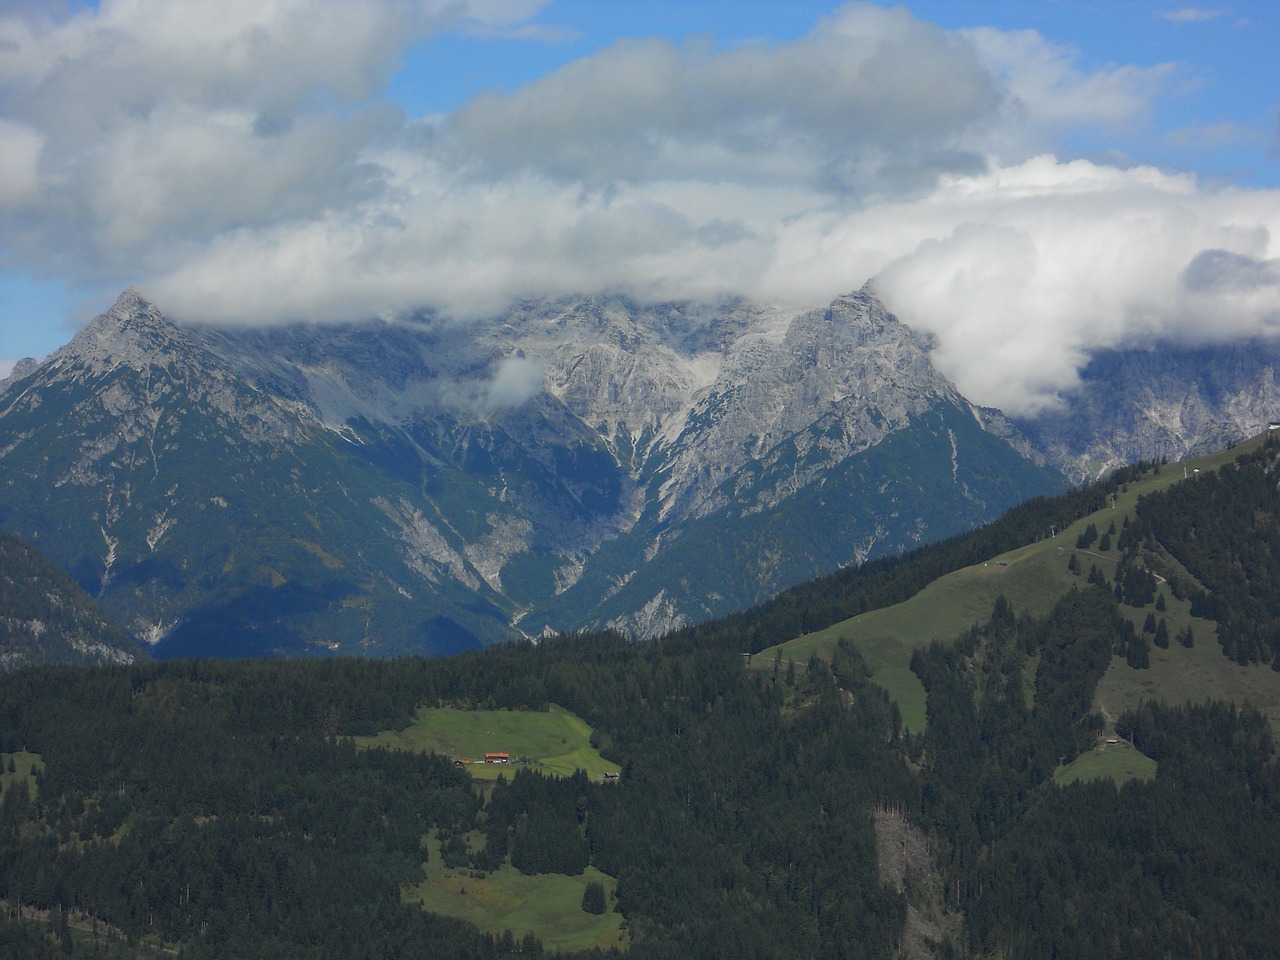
{"type": "Point", "coordinates": [249, 171]}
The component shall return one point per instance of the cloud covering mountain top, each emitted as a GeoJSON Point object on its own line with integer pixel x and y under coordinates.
{"type": "Point", "coordinates": [241, 162]}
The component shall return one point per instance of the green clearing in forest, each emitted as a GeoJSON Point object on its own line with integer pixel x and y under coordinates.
{"type": "Point", "coordinates": [25, 766]}
{"type": "Point", "coordinates": [1178, 675]}
{"type": "Point", "coordinates": [1119, 761]}
{"type": "Point", "coordinates": [1033, 577]}
{"type": "Point", "coordinates": [548, 905]}
{"type": "Point", "coordinates": [554, 741]}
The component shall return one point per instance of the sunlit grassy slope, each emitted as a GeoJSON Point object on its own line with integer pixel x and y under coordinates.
{"type": "Point", "coordinates": [555, 741]}
{"type": "Point", "coordinates": [548, 905]}
{"type": "Point", "coordinates": [1117, 761]}
{"type": "Point", "coordinates": [1033, 577]}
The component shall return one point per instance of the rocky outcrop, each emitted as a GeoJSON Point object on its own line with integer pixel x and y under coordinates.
{"type": "Point", "coordinates": [1166, 401]}
{"type": "Point", "coordinates": [46, 618]}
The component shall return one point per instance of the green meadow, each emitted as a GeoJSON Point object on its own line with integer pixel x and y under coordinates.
{"type": "Point", "coordinates": [548, 905]}
{"type": "Point", "coordinates": [1178, 675]}
{"type": "Point", "coordinates": [553, 741]}
{"type": "Point", "coordinates": [1033, 578]}
{"type": "Point", "coordinates": [25, 766]}
{"type": "Point", "coordinates": [1118, 761]}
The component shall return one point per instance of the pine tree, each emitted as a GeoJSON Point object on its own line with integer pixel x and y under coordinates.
{"type": "Point", "coordinates": [593, 898]}
{"type": "Point", "coordinates": [1161, 639]}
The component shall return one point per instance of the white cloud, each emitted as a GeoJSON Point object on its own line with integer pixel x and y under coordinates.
{"type": "Point", "coordinates": [20, 147]}
{"type": "Point", "coordinates": [1049, 91]}
{"type": "Point", "coordinates": [234, 158]}
{"type": "Point", "coordinates": [159, 125]}
{"type": "Point", "coordinates": [515, 380]}
{"type": "Point", "coordinates": [1190, 15]}
{"type": "Point", "coordinates": [1020, 283]}
{"type": "Point", "coordinates": [870, 100]}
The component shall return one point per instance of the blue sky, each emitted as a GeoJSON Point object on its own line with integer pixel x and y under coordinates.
{"type": "Point", "coordinates": [1027, 181]}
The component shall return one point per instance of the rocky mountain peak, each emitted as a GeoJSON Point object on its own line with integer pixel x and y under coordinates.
{"type": "Point", "coordinates": [567, 462]}
{"type": "Point", "coordinates": [132, 334]}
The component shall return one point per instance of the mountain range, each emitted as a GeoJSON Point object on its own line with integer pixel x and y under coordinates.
{"type": "Point", "coordinates": [1061, 719]}
{"type": "Point", "coordinates": [433, 484]}
{"type": "Point", "coordinates": [1163, 401]}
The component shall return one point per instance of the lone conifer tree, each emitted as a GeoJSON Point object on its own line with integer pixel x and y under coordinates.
{"type": "Point", "coordinates": [593, 898]}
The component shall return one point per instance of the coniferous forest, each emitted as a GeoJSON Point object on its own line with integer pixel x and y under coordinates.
{"type": "Point", "coordinates": [221, 809]}
{"type": "Point", "coordinates": [225, 809]}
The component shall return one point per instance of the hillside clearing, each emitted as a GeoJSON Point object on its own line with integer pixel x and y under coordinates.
{"type": "Point", "coordinates": [548, 905]}
{"type": "Point", "coordinates": [554, 741]}
{"type": "Point", "coordinates": [1116, 760]}
{"type": "Point", "coordinates": [1032, 578]}
{"type": "Point", "coordinates": [25, 766]}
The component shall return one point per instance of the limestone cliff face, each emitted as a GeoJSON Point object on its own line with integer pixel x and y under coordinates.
{"type": "Point", "coordinates": [607, 427]}
{"type": "Point", "coordinates": [568, 463]}
{"type": "Point", "coordinates": [852, 366]}
{"type": "Point", "coordinates": [1166, 401]}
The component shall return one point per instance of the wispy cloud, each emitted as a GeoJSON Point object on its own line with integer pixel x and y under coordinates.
{"type": "Point", "coordinates": [1190, 15]}
{"type": "Point", "coordinates": [1214, 135]}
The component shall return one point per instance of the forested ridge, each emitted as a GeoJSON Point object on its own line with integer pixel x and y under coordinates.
{"type": "Point", "coordinates": [889, 580]}
{"type": "Point", "coordinates": [46, 617]}
{"type": "Point", "coordinates": [1185, 866]}
{"type": "Point", "coordinates": [1217, 539]}
{"type": "Point", "coordinates": [223, 809]}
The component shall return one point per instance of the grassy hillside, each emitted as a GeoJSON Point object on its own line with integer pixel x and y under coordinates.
{"type": "Point", "coordinates": [1112, 759]}
{"type": "Point", "coordinates": [547, 905]}
{"type": "Point", "coordinates": [25, 766]}
{"type": "Point", "coordinates": [553, 741]}
{"type": "Point", "coordinates": [1033, 577]}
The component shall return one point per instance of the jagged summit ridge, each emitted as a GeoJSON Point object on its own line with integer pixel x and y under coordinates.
{"type": "Point", "coordinates": [434, 483]}
{"type": "Point", "coordinates": [1165, 400]}
{"type": "Point", "coordinates": [690, 409]}
{"type": "Point", "coordinates": [853, 363]}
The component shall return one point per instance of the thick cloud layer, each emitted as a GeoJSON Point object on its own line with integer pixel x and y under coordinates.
{"type": "Point", "coordinates": [236, 160]}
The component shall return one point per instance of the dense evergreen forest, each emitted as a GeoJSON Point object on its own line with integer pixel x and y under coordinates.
{"type": "Point", "coordinates": [1185, 866]}
{"type": "Point", "coordinates": [223, 809]}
